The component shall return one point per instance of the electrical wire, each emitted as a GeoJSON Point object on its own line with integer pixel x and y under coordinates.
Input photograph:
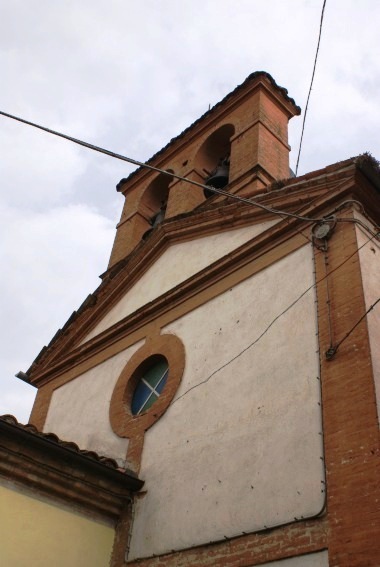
{"type": "Point", "coordinates": [311, 84]}
{"type": "Point", "coordinates": [253, 343]}
{"type": "Point", "coordinates": [212, 189]}
{"type": "Point", "coordinates": [163, 171]}
{"type": "Point", "coordinates": [279, 212]}
{"type": "Point", "coordinates": [283, 214]}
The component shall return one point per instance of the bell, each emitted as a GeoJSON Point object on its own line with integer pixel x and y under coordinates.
{"type": "Point", "coordinates": [158, 218]}
{"type": "Point", "coordinates": [218, 178]}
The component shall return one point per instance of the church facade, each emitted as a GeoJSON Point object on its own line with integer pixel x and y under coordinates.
{"type": "Point", "coordinates": [230, 357]}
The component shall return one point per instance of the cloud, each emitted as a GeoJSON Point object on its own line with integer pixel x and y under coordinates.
{"type": "Point", "coordinates": [51, 260]}
{"type": "Point", "coordinates": [36, 171]}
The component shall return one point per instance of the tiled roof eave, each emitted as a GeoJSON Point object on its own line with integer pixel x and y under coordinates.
{"type": "Point", "coordinates": [52, 442]}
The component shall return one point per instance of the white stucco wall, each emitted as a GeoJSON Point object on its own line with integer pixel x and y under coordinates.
{"type": "Point", "coordinates": [319, 559]}
{"type": "Point", "coordinates": [243, 451]}
{"type": "Point", "coordinates": [79, 410]}
{"type": "Point", "coordinates": [177, 264]}
{"type": "Point", "coordinates": [369, 256]}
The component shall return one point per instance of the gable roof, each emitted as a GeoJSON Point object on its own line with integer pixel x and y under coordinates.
{"type": "Point", "coordinates": [63, 472]}
{"type": "Point", "coordinates": [327, 185]}
{"type": "Point", "coordinates": [51, 439]}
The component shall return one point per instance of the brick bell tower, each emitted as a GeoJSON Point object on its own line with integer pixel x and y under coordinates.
{"type": "Point", "coordinates": [248, 128]}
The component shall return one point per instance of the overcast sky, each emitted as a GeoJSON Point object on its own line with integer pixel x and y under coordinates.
{"type": "Point", "coordinates": [129, 75]}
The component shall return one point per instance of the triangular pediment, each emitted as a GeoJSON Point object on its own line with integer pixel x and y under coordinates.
{"type": "Point", "coordinates": [184, 250]}
{"type": "Point", "coordinates": [176, 264]}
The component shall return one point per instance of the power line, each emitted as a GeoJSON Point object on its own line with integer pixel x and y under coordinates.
{"type": "Point", "coordinates": [217, 191]}
{"type": "Point", "coordinates": [279, 212]}
{"type": "Point", "coordinates": [311, 84]}
{"type": "Point", "coordinates": [253, 343]}
{"type": "Point", "coordinates": [159, 170]}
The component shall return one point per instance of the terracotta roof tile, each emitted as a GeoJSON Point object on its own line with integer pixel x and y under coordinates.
{"type": "Point", "coordinates": [70, 445]}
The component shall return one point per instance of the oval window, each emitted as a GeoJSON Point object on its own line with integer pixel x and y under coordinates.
{"type": "Point", "coordinates": [150, 385]}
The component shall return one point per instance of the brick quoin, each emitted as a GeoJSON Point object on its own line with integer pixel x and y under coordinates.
{"type": "Point", "coordinates": [351, 433]}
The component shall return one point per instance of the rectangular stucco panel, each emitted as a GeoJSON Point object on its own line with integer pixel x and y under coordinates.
{"type": "Point", "coordinates": [369, 256]}
{"type": "Point", "coordinates": [35, 533]}
{"type": "Point", "coordinates": [177, 264]}
{"type": "Point", "coordinates": [243, 450]}
{"type": "Point", "coordinates": [79, 410]}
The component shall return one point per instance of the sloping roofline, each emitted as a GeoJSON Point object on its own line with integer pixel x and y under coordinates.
{"type": "Point", "coordinates": [51, 440]}
{"type": "Point", "coordinates": [364, 163]}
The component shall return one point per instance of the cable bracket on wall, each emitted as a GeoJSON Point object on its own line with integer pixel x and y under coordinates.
{"type": "Point", "coordinates": [322, 232]}
{"type": "Point", "coordinates": [330, 352]}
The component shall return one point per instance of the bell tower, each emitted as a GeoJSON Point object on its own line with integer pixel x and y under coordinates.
{"type": "Point", "coordinates": [241, 144]}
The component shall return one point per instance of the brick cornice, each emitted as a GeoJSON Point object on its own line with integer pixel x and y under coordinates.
{"type": "Point", "coordinates": [204, 222]}
{"type": "Point", "coordinates": [314, 196]}
{"type": "Point", "coordinates": [36, 462]}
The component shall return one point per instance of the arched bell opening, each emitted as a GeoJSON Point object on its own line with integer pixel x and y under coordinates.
{"type": "Point", "coordinates": [155, 199]}
{"type": "Point", "coordinates": [213, 158]}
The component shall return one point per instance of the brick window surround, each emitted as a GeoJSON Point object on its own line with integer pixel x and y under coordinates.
{"type": "Point", "coordinates": [123, 422]}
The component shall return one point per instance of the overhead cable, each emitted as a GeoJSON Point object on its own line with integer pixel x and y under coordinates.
{"type": "Point", "coordinates": [132, 161]}
{"type": "Point", "coordinates": [311, 84]}
{"type": "Point", "coordinates": [163, 171]}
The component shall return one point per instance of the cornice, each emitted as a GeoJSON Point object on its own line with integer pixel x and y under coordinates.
{"type": "Point", "coordinates": [60, 470]}
{"type": "Point", "coordinates": [199, 286]}
{"type": "Point", "coordinates": [311, 194]}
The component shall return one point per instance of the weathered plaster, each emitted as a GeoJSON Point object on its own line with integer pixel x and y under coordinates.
{"type": "Point", "coordinates": [369, 256]}
{"type": "Point", "coordinates": [177, 264]}
{"type": "Point", "coordinates": [242, 451]}
{"type": "Point", "coordinates": [79, 410]}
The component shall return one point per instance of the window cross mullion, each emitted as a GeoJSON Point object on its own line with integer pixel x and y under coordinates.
{"type": "Point", "coordinates": [152, 393]}
{"type": "Point", "coordinates": [162, 377]}
{"type": "Point", "coordinates": [146, 401]}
